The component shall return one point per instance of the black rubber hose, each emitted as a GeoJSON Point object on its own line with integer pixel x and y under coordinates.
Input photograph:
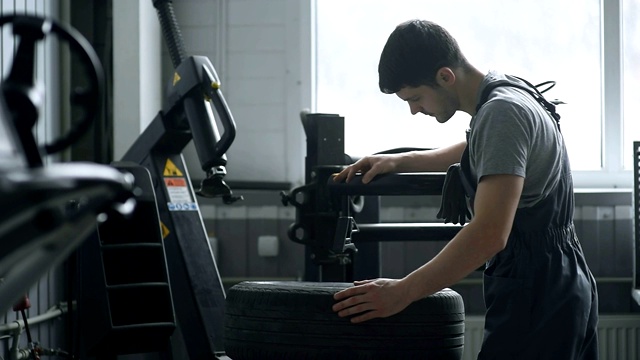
{"type": "Point", "coordinates": [171, 31]}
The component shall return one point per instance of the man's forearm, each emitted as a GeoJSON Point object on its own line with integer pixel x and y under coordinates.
{"type": "Point", "coordinates": [437, 160]}
{"type": "Point", "coordinates": [460, 257]}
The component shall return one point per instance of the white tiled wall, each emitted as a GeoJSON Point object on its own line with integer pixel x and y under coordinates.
{"type": "Point", "coordinates": [259, 50]}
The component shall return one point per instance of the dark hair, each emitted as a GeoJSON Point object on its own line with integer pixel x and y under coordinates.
{"type": "Point", "coordinates": [413, 54]}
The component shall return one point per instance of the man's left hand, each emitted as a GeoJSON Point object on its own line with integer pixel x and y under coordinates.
{"type": "Point", "coordinates": [370, 299]}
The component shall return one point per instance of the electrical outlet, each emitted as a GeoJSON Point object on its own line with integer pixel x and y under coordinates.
{"type": "Point", "coordinates": [268, 246]}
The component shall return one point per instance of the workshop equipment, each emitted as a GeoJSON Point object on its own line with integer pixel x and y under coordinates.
{"type": "Point", "coordinates": [47, 211]}
{"type": "Point", "coordinates": [196, 292]}
{"type": "Point", "coordinates": [339, 223]}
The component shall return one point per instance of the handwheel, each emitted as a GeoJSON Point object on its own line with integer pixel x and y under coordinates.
{"type": "Point", "coordinates": [22, 95]}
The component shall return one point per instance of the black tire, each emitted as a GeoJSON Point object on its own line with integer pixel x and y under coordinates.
{"type": "Point", "coordinates": [294, 320]}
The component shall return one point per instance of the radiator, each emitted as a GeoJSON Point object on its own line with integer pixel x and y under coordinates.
{"type": "Point", "coordinates": [618, 337]}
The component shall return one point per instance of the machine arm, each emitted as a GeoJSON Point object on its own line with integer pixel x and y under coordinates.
{"type": "Point", "coordinates": [391, 184]}
{"type": "Point", "coordinates": [195, 88]}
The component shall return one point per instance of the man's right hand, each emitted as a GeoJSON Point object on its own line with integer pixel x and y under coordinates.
{"type": "Point", "coordinates": [369, 167]}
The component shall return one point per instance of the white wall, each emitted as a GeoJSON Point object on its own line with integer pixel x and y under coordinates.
{"type": "Point", "coordinates": [267, 87]}
{"type": "Point", "coordinates": [137, 86]}
{"type": "Point", "coordinates": [262, 53]}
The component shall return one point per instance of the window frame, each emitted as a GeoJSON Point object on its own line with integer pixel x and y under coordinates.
{"type": "Point", "coordinates": [612, 174]}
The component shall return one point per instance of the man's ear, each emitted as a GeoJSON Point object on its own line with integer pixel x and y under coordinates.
{"type": "Point", "coordinates": [445, 76]}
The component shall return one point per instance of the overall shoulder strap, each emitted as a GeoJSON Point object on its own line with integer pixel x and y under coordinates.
{"type": "Point", "coordinates": [531, 89]}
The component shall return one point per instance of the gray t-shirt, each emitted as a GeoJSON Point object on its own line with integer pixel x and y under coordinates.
{"type": "Point", "coordinates": [513, 134]}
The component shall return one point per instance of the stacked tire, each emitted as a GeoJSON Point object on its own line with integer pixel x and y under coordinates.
{"type": "Point", "coordinates": [294, 320]}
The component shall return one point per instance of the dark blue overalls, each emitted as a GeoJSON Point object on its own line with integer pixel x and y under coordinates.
{"type": "Point", "coordinates": [541, 297]}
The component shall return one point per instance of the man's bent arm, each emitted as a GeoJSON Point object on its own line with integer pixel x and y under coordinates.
{"type": "Point", "coordinates": [495, 206]}
{"type": "Point", "coordinates": [436, 160]}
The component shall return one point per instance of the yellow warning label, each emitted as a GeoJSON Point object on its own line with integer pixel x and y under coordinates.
{"type": "Point", "coordinates": [170, 169]}
{"type": "Point", "coordinates": [165, 230]}
{"type": "Point", "coordinates": [176, 78]}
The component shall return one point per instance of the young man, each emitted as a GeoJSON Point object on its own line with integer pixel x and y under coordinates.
{"type": "Point", "coordinates": [540, 295]}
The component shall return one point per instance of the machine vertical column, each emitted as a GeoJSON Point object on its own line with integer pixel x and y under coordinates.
{"type": "Point", "coordinates": [198, 294]}
{"type": "Point", "coordinates": [635, 292]}
{"type": "Point", "coordinates": [320, 211]}
{"type": "Point", "coordinates": [325, 146]}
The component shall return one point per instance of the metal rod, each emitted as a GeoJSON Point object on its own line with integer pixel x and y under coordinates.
{"type": "Point", "coordinates": [50, 314]}
{"type": "Point", "coordinates": [391, 184]}
{"type": "Point", "coordinates": [404, 232]}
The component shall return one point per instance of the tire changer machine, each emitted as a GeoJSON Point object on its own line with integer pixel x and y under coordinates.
{"type": "Point", "coordinates": [150, 283]}
{"type": "Point", "coordinates": [339, 223]}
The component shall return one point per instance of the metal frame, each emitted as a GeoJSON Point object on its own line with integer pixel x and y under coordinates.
{"type": "Point", "coordinates": [198, 293]}
{"type": "Point", "coordinates": [635, 292]}
{"type": "Point", "coordinates": [339, 222]}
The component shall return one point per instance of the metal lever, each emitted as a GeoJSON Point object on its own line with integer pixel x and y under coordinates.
{"type": "Point", "coordinates": [214, 186]}
{"type": "Point", "coordinates": [342, 241]}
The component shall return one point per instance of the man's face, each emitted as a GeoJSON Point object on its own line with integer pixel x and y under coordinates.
{"type": "Point", "coordinates": [433, 101]}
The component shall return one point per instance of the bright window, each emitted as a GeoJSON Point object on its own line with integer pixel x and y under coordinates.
{"type": "Point", "coordinates": [631, 78]}
{"type": "Point", "coordinates": [537, 40]}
